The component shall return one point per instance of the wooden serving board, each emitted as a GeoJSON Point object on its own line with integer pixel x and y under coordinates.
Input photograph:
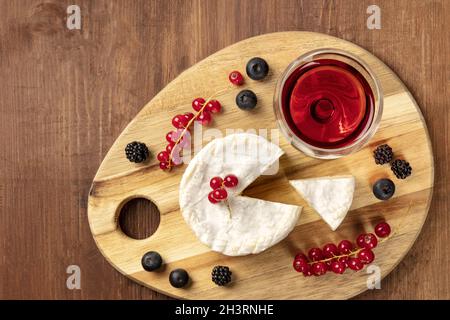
{"type": "Point", "coordinates": [268, 275]}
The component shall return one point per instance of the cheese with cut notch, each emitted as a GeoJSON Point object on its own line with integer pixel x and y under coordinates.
{"type": "Point", "coordinates": [240, 225]}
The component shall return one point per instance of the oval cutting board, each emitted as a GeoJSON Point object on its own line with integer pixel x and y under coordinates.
{"type": "Point", "coordinates": [268, 275]}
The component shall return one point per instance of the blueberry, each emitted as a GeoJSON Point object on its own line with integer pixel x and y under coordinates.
{"type": "Point", "coordinates": [246, 100]}
{"type": "Point", "coordinates": [151, 261]}
{"type": "Point", "coordinates": [257, 68]}
{"type": "Point", "coordinates": [178, 278]}
{"type": "Point", "coordinates": [384, 189]}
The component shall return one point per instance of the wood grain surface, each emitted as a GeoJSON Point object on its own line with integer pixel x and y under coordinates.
{"type": "Point", "coordinates": [66, 95]}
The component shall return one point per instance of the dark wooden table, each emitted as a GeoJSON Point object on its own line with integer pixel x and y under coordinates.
{"type": "Point", "coordinates": [67, 94]}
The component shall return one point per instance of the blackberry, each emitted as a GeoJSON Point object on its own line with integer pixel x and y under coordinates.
{"type": "Point", "coordinates": [401, 169]}
{"type": "Point", "coordinates": [221, 275]}
{"type": "Point", "coordinates": [383, 154]}
{"type": "Point", "coordinates": [136, 151]}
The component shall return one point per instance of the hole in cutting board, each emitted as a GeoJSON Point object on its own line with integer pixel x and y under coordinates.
{"type": "Point", "coordinates": [139, 218]}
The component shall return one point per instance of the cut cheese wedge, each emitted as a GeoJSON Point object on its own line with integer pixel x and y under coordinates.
{"type": "Point", "coordinates": [242, 225]}
{"type": "Point", "coordinates": [330, 197]}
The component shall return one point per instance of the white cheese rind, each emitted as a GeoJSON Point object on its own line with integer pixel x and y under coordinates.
{"type": "Point", "coordinates": [254, 224]}
{"type": "Point", "coordinates": [330, 197]}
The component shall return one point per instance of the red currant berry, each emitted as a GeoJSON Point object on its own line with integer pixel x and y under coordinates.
{"type": "Point", "coordinates": [338, 267]}
{"type": "Point", "coordinates": [344, 260]}
{"type": "Point", "coordinates": [213, 106]}
{"type": "Point", "coordinates": [236, 78]}
{"type": "Point", "coordinates": [169, 136]}
{"type": "Point", "coordinates": [300, 265]}
{"type": "Point", "coordinates": [345, 247]}
{"type": "Point", "coordinates": [204, 118]}
{"type": "Point", "coordinates": [330, 250]}
{"type": "Point", "coordinates": [383, 229]}
{"type": "Point", "coordinates": [367, 240]}
{"type": "Point", "coordinates": [179, 121]}
{"type": "Point", "coordinates": [366, 256]}
{"type": "Point", "coordinates": [230, 181]}
{"type": "Point", "coordinates": [315, 254]}
{"type": "Point", "coordinates": [319, 268]}
{"type": "Point", "coordinates": [211, 198]}
{"type": "Point", "coordinates": [164, 165]}
{"type": "Point", "coordinates": [301, 256]}
{"type": "Point", "coordinates": [308, 272]}
{"type": "Point", "coordinates": [163, 156]}
{"type": "Point", "coordinates": [216, 183]}
{"type": "Point", "coordinates": [198, 103]}
{"type": "Point", "coordinates": [355, 264]}
{"type": "Point", "coordinates": [170, 146]}
{"type": "Point", "coordinates": [220, 194]}
{"type": "Point", "coordinates": [188, 116]}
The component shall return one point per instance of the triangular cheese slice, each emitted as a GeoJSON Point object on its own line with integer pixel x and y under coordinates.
{"type": "Point", "coordinates": [330, 197]}
{"type": "Point", "coordinates": [243, 225]}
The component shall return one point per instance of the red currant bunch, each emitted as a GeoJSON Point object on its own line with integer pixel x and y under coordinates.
{"type": "Point", "coordinates": [337, 258]}
{"type": "Point", "coordinates": [179, 139]}
{"type": "Point", "coordinates": [219, 185]}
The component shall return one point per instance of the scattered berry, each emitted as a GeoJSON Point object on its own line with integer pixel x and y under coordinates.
{"type": "Point", "coordinates": [213, 106]}
{"type": "Point", "coordinates": [246, 100]}
{"type": "Point", "coordinates": [355, 264]}
{"type": "Point", "coordinates": [151, 261]}
{"type": "Point", "coordinates": [338, 266]}
{"type": "Point", "coordinates": [319, 268]}
{"type": "Point", "coordinates": [221, 275]}
{"type": "Point", "coordinates": [366, 256]}
{"type": "Point", "coordinates": [136, 152]}
{"type": "Point", "coordinates": [383, 154]}
{"type": "Point", "coordinates": [330, 250]}
{"type": "Point", "coordinates": [211, 198]}
{"type": "Point", "coordinates": [384, 189]}
{"type": "Point", "coordinates": [204, 118]}
{"type": "Point", "coordinates": [383, 229]}
{"type": "Point", "coordinates": [401, 169]}
{"type": "Point", "coordinates": [367, 240]}
{"type": "Point", "coordinates": [315, 254]}
{"type": "Point", "coordinates": [198, 103]}
{"type": "Point", "coordinates": [236, 78]}
{"type": "Point", "coordinates": [178, 278]}
{"type": "Point", "coordinates": [216, 183]}
{"type": "Point", "coordinates": [257, 68]}
{"type": "Point", "coordinates": [220, 194]}
{"type": "Point", "coordinates": [230, 181]}
{"type": "Point", "coordinates": [345, 247]}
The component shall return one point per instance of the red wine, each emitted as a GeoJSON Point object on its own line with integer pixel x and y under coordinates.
{"type": "Point", "coordinates": [327, 103]}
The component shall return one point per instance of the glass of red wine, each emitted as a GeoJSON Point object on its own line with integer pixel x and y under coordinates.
{"type": "Point", "coordinates": [328, 103]}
